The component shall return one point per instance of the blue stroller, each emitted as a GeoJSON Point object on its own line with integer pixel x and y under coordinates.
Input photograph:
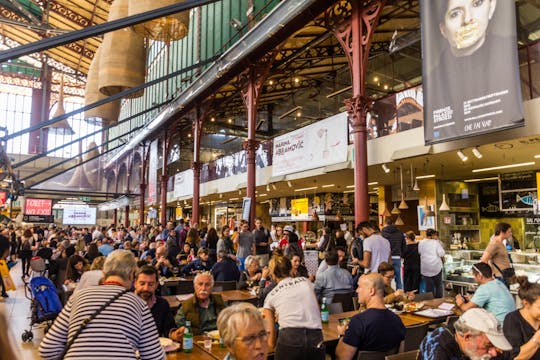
{"type": "Point", "coordinates": [45, 304]}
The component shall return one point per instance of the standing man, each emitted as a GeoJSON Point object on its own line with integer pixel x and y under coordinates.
{"type": "Point", "coordinates": [491, 295]}
{"type": "Point", "coordinates": [431, 262]}
{"type": "Point", "coordinates": [246, 245]}
{"type": "Point", "coordinates": [146, 283]}
{"type": "Point", "coordinates": [376, 328]}
{"type": "Point", "coordinates": [124, 326]}
{"type": "Point", "coordinates": [376, 248]}
{"type": "Point", "coordinates": [262, 242]}
{"type": "Point", "coordinates": [496, 254]}
{"type": "Point", "coordinates": [396, 238]}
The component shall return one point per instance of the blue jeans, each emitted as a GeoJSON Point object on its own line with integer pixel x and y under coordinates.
{"type": "Point", "coordinates": [434, 284]}
{"type": "Point", "coordinates": [397, 271]}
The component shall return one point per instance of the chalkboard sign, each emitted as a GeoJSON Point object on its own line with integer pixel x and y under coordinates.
{"type": "Point", "coordinates": [518, 191]}
{"type": "Point", "coordinates": [489, 200]}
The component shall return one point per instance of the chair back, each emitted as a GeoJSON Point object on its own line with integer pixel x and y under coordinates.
{"type": "Point", "coordinates": [335, 308]}
{"type": "Point", "coordinates": [184, 287]}
{"type": "Point", "coordinates": [225, 285]}
{"type": "Point", "coordinates": [424, 296]}
{"type": "Point", "coordinates": [409, 355]}
{"type": "Point", "coordinates": [414, 336]}
{"type": "Point", "coordinates": [375, 355]}
{"type": "Point", "coordinates": [346, 301]}
{"type": "Point", "coordinates": [450, 320]}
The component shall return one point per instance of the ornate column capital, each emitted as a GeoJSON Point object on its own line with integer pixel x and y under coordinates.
{"type": "Point", "coordinates": [357, 109]}
{"type": "Point", "coordinates": [196, 166]}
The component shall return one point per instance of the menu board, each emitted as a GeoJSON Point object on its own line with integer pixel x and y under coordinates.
{"type": "Point", "coordinates": [518, 191]}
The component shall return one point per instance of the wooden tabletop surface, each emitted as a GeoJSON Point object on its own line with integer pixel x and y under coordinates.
{"type": "Point", "coordinates": [197, 354]}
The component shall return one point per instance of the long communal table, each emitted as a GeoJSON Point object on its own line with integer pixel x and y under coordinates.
{"type": "Point", "coordinates": [227, 295]}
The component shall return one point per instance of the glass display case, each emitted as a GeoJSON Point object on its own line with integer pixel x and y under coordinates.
{"type": "Point", "coordinates": [457, 272]}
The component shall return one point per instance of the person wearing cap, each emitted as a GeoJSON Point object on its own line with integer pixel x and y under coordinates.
{"type": "Point", "coordinates": [491, 295]}
{"type": "Point", "coordinates": [431, 262]}
{"type": "Point", "coordinates": [376, 248]}
{"type": "Point", "coordinates": [477, 335]}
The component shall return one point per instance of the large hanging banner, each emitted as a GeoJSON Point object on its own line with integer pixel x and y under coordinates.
{"type": "Point", "coordinates": [152, 173]}
{"type": "Point", "coordinates": [470, 68]}
{"type": "Point", "coordinates": [183, 184]}
{"type": "Point", "coordinates": [320, 144]}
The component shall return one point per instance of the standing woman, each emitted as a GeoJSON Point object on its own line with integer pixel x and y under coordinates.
{"type": "Point", "coordinates": [411, 263]}
{"type": "Point", "coordinates": [25, 252]}
{"type": "Point", "coordinates": [225, 243]}
{"type": "Point", "coordinates": [300, 328]}
{"type": "Point", "coordinates": [521, 327]}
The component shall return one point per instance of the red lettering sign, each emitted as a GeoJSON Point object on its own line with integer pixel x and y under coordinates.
{"type": "Point", "coordinates": [37, 206]}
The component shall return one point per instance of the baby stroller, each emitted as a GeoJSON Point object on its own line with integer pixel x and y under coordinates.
{"type": "Point", "coordinates": [45, 304]}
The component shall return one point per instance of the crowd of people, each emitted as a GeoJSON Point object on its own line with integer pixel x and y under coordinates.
{"type": "Point", "coordinates": [98, 267]}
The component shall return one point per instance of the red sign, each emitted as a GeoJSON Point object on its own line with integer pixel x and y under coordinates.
{"type": "Point", "coordinates": [3, 197]}
{"type": "Point", "coordinates": [37, 206]}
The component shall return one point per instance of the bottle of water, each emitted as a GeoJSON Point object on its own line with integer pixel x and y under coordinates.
{"type": "Point", "coordinates": [324, 311]}
{"type": "Point", "coordinates": [187, 343]}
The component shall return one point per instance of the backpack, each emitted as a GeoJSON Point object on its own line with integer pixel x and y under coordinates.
{"type": "Point", "coordinates": [26, 245]}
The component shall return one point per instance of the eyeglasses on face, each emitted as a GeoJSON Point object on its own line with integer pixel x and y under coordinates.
{"type": "Point", "coordinates": [250, 339]}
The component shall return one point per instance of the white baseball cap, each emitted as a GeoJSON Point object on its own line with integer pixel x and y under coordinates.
{"type": "Point", "coordinates": [484, 321]}
{"type": "Point", "coordinates": [288, 228]}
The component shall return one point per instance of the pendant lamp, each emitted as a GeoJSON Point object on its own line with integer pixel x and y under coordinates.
{"type": "Point", "coordinates": [79, 179]}
{"type": "Point", "coordinates": [395, 210]}
{"type": "Point", "coordinates": [444, 204]}
{"type": "Point", "coordinates": [399, 221]}
{"type": "Point", "coordinates": [414, 183]}
{"type": "Point", "coordinates": [386, 213]}
{"type": "Point", "coordinates": [106, 114]}
{"type": "Point", "coordinates": [61, 127]}
{"type": "Point", "coordinates": [123, 58]}
{"type": "Point", "coordinates": [91, 167]}
{"type": "Point", "coordinates": [402, 205]}
{"type": "Point", "coordinates": [169, 28]}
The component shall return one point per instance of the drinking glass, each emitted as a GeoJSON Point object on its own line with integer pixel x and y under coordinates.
{"type": "Point", "coordinates": [207, 342]}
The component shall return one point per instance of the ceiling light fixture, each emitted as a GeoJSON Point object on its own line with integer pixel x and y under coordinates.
{"type": "Point", "coordinates": [537, 156]}
{"type": "Point", "coordinates": [482, 179]}
{"type": "Point", "coordinates": [289, 183]}
{"type": "Point", "coordinates": [403, 204]}
{"type": "Point", "coordinates": [504, 167]}
{"type": "Point", "coordinates": [444, 205]}
{"type": "Point", "coordinates": [477, 152]}
{"type": "Point", "coordinates": [335, 93]}
{"type": "Point", "coordinates": [462, 156]}
{"type": "Point", "coordinates": [385, 168]}
{"type": "Point", "coordinates": [307, 188]}
{"type": "Point", "coordinates": [348, 191]}
{"type": "Point", "coordinates": [395, 210]}
{"type": "Point", "coordinates": [425, 176]}
{"type": "Point", "coordinates": [285, 114]}
{"type": "Point", "coordinates": [349, 186]}
{"type": "Point", "coordinates": [328, 185]}
{"type": "Point", "coordinates": [267, 187]}
{"type": "Point", "coordinates": [273, 187]}
{"type": "Point", "coordinates": [372, 183]}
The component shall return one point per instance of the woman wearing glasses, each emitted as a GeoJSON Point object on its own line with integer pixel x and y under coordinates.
{"type": "Point", "coordinates": [390, 295]}
{"type": "Point", "coordinates": [241, 327]}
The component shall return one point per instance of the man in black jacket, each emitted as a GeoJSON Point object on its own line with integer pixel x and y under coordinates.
{"type": "Point", "coordinates": [225, 269]}
{"type": "Point", "coordinates": [146, 283]}
{"type": "Point", "coordinates": [397, 245]}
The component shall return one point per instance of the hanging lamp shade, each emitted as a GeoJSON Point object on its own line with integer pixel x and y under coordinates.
{"type": "Point", "coordinates": [122, 64]}
{"type": "Point", "coordinates": [91, 167]}
{"type": "Point", "coordinates": [399, 221]}
{"type": "Point", "coordinates": [105, 114]}
{"type": "Point", "coordinates": [169, 28]}
{"type": "Point", "coordinates": [444, 205]}
{"type": "Point", "coordinates": [79, 179]}
{"type": "Point", "coordinates": [403, 204]}
{"type": "Point", "coordinates": [395, 210]}
{"type": "Point", "coordinates": [386, 213]}
{"type": "Point", "coordinates": [61, 127]}
{"type": "Point", "coordinates": [415, 186]}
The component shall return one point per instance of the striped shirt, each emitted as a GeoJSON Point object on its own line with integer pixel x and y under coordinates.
{"type": "Point", "coordinates": [123, 330]}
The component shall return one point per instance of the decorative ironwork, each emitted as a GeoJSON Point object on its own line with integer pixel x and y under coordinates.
{"type": "Point", "coordinates": [357, 109]}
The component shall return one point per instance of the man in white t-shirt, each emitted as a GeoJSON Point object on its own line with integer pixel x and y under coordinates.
{"type": "Point", "coordinates": [376, 247]}
{"type": "Point", "coordinates": [431, 262]}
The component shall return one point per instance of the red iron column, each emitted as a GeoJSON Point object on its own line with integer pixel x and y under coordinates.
{"type": "Point", "coordinates": [196, 166]}
{"type": "Point", "coordinates": [115, 217]}
{"type": "Point", "coordinates": [164, 180]}
{"type": "Point", "coordinates": [355, 34]}
{"type": "Point", "coordinates": [200, 114]}
{"type": "Point", "coordinates": [126, 219]}
{"type": "Point", "coordinates": [37, 141]}
{"type": "Point", "coordinates": [143, 184]}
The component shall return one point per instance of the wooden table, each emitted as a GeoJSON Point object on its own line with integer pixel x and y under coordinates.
{"type": "Point", "coordinates": [216, 352]}
{"type": "Point", "coordinates": [197, 354]}
{"type": "Point", "coordinates": [227, 295]}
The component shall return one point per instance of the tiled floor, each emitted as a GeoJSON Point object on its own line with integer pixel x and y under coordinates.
{"type": "Point", "coordinates": [17, 311]}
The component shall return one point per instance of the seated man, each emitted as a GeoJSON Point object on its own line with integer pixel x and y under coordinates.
{"type": "Point", "coordinates": [376, 328]}
{"type": "Point", "coordinates": [201, 310]}
{"type": "Point", "coordinates": [163, 264]}
{"type": "Point", "coordinates": [225, 269]}
{"type": "Point", "coordinates": [492, 295]}
{"type": "Point", "coordinates": [323, 266]}
{"type": "Point", "coordinates": [333, 280]}
{"type": "Point", "coordinates": [476, 335]}
{"type": "Point", "coordinates": [391, 296]}
{"type": "Point", "coordinates": [200, 264]}
{"type": "Point", "coordinates": [146, 283]}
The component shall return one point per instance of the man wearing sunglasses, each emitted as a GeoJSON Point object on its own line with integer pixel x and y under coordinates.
{"type": "Point", "coordinates": [477, 335]}
{"type": "Point", "coordinates": [491, 295]}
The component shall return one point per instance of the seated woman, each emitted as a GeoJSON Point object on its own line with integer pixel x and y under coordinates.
{"type": "Point", "coordinates": [298, 269]}
{"type": "Point", "coordinates": [75, 268]}
{"type": "Point", "coordinates": [241, 326]}
{"type": "Point", "coordinates": [250, 277]}
{"type": "Point", "coordinates": [184, 254]}
{"type": "Point", "coordinates": [391, 296]}
{"type": "Point", "coordinates": [521, 327]}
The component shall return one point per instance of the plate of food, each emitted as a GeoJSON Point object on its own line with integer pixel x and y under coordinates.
{"type": "Point", "coordinates": [412, 306]}
{"type": "Point", "coordinates": [168, 345]}
{"type": "Point", "coordinates": [214, 334]}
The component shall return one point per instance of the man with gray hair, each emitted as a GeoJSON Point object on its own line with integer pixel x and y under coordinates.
{"type": "Point", "coordinates": [477, 335]}
{"type": "Point", "coordinates": [201, 310]}
{"type": "Point", "coordinates": [106, 319]}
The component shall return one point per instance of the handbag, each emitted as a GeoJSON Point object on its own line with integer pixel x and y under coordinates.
{"type": "Point", "coordinates": [85, 322]}
{"type": "Point", "coordinates": [6, 277]}
{"type": "Point", "coordinates": [508, 274]}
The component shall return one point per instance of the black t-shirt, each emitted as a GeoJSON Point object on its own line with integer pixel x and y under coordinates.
{"type": "Point", "coordinates": [518, 331]}
{"type": "Point", "coordinates": [163, 317]}
{"type": "Point", "coordinates": [411, 257]}
{"type": "Point", "coordinates": [375, 330]}
{"type": "Point", "coordinates": [261, 236]}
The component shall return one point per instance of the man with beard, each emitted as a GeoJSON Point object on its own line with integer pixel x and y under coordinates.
{"type": "Point", "coordinates": [477, 335]}
{"type": "Point", "coordinates": [201, 310]}
{"type": "Point", "coordinates": [146, 283]}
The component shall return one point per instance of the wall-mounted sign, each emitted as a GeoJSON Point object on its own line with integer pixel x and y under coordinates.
{"type": "Point", "coordinates": [183, 184]}
{"type": "Point", "coordinates": [79, 216]}
{"type": "Point", "coordinates": [470, 68]}
{"type": "Point", "coordinates": [246, 208]}
{"type": "Point", "coordinates": [317, 145]}
{"type": "Point", "coordinates": [152, 173]}
{"type": "Point", "coordinates": [299, 209]}
{"type": "Point", "coordinates": [37, 206]}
